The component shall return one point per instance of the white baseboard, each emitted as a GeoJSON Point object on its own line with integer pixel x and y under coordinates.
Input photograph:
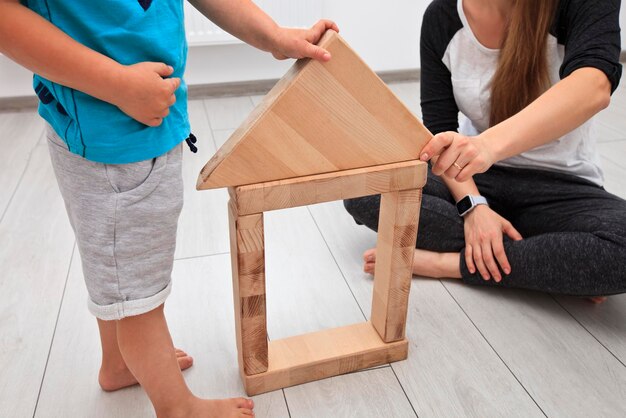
{"type": "Point", "coordinates": [201, 91]}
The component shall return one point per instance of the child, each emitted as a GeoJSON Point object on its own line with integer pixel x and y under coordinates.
{"type": "Point", "coordinates": [108, 75]}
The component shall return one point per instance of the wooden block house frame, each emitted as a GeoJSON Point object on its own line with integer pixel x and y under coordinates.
{"type": "Point", "coordinates": [326, 131]}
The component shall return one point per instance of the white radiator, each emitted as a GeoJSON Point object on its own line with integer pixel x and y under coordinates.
{"type": "Point", "coordinates": [293, 13]}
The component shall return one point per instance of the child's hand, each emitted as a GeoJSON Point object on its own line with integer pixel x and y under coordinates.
{"type": "Point", "coordinates": [301, 43]}
{"type": "Point", "coordinates": [144, 94]}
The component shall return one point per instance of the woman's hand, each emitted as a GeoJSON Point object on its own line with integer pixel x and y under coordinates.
{"type": "Point", "coordinates": [484, 241]}
{"type": "Point", "coordinates": [301, 43]}
{"type": "Point", "coordinates": [459, 157]}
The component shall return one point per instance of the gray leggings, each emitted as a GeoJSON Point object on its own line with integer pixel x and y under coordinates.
{"type": "Point", "coordinates": [574, 231]}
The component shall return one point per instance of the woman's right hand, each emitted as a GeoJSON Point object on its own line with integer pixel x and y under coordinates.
{"type": "Point", "coordinates": [484, 241]}
{"type": "Point", "coordinates": [146, 91]}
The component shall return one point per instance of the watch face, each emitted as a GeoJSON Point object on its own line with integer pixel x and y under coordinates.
{"type": "Point", "coordinates": [464, 205]}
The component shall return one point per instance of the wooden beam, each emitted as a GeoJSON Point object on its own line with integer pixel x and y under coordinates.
{"type": "Point", "coordinates": [247, 248]}
{"type": "Point", "coordinates": [322, 354]}
{"type": "Point", "coordinates": [397, 235]}
{"type": "Point", "coordinates": [328, 187]}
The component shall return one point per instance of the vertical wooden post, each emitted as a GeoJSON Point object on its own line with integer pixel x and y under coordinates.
{"type": "Point", "coordinates": [397, 234]}
{"type": "Point", "coordinates": [247, 247]}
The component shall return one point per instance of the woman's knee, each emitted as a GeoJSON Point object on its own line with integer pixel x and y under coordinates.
{"type": "Point", "coordinates": [364, 210]}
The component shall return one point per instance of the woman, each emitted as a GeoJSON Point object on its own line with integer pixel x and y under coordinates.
{"type": "Point", "coordinates": [515, 198]}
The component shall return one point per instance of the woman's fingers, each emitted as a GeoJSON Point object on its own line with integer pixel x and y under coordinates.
{"type": "Point", "coordinates": [512, 233]}
{"type": "Point", "coordinates": [457, 156]}
{"type": "Point", "coordinates": [445, 163]}
{"type": "Point", "coordinates": [468, 172]}
{"type": "Point", "coordinates": [498, 251]}
{"type": "Point", "coordinates": [480, 264]}
{"type": "Point", "coordinates": [490, 262]}
{"type": "Point", "coordinates": [436, 145]}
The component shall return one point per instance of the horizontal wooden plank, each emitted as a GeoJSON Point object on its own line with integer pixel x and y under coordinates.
{"type": "Point", "coordinates": [328, 187]}
{"type": "Point", "coordinates": [331, 352]}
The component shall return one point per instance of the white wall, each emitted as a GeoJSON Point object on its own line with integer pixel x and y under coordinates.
{"type": "Point", "coordinates": [385, 33]}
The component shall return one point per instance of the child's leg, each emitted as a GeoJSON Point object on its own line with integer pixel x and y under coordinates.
{"type": "Point", "coordinates": [125, 218]}
{"type": "Point", "coordinates": [114, 374]}
{"type": "Point", "coordinates": [147, 349]}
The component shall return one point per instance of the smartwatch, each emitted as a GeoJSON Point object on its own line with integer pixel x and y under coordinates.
{"type": "Point", "coordinates": [468, 203]}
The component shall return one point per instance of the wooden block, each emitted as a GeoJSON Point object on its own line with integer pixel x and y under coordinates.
{"type": "Point", "coordinates": [328, 187]}
{"type": "Point", "coordinates": [319, 118]}
{"type": "Point", "coordinates": [248, 263]}
{"type": "Point", "coordinates": [397, 234]}
{"type": "Point", "coordinates": [322, 354]}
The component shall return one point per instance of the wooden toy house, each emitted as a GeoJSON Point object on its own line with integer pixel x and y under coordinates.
{"type": "Point", "coordinates": [326, 131]}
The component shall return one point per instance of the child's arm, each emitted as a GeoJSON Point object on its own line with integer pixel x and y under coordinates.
{"type": "Point", "coordinates": [246, 21]}
{"type": "Point", "coordinates": [138, 90]}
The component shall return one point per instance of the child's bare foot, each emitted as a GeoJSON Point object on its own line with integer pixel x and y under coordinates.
{"type": "Point", "coordinates": [117, 377]}
{"type": "Point", "coordinates": [597, 299]}
{"type": "Point", "coordinates": [425, 264]}
{"type": "Point", "coordinates": [216, 408]}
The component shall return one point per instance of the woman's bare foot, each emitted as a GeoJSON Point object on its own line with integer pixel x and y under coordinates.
{"type": "Point", "coordinates": [597, 299]}
{"type": "Point", "coordinates": [218, 408]}
{"type": "Point", "coordinates": [115, 377]}
{"type": "Point", "coordinates": [425, 264]}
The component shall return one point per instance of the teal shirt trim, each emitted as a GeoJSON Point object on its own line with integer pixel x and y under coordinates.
{"type": "Point", "coordinates": [128, 31]}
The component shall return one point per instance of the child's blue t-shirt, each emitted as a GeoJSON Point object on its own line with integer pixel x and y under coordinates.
{"type": "Point", "coordinates": [128, 31]}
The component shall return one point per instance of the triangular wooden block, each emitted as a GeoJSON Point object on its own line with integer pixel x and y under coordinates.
{"type": "Point", "coordinates": [319, 118]}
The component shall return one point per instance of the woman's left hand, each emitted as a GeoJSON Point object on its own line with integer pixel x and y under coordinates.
{"type": "Point", "coordinates": [459, 157]}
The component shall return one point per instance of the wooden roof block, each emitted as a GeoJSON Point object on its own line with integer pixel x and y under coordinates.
{"type": "Point", "coordinates": [319, 118]}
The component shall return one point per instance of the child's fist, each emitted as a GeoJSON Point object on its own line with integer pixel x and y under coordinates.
{"type": "Point", "coordinates": [145, 92]}
{"type": "Point", "coordinates": [301, 43]}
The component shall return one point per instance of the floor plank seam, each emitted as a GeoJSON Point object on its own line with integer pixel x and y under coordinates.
{"type": "Point", "coordinates": [403, 391]}
{"type": "Point", "coordinates": [19, 182]}
{"type": "Point", "coordinates": [336, 262]}
{"type": "Point", "coordinates": [286, 403]}
{"type": "Point", "coordinates": [56, 323]}
{"type": "Point", "coordinates": [384, 366]}
{"type": "Point", "coordinates": [208, 119]}
{"type": "Point", "coordinates": [612, 141]}
{"type": "Point", "coordinates": [586, 329]}
{"type": "Point", "coordinates": [492, 348]}
{"type": "Point", "coordinates": [193, 257]}
{"type": "Point", "coordinates": [252, 102]}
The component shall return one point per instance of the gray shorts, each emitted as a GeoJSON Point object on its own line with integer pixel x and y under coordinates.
{"type": "Point", "coordinates": [125, 218]}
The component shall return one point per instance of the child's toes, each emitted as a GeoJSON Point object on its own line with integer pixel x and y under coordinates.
{"type": "Point", "coordinates": [185, 361]}
{"type": "Point", "coordinates": [244, 403]}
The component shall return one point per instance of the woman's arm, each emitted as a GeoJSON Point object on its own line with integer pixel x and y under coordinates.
{"type": "Point", "coordinates": [484, 249]}
{"type": "Point", "coordinates": [590, 71]}
{"type": "Point", "coordinates": [564, 107]}
{"type": "Point", "coordinates": [33, 42]}
{"type": "Point", "coordinates": [246, 21]}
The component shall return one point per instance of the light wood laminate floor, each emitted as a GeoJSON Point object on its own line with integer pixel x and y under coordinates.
{"type": "Point", "coordinates": [473, 352]}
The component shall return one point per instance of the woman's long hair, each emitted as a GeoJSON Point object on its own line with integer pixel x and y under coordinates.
{"type": "Point", "coordinates": [522, 74]}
